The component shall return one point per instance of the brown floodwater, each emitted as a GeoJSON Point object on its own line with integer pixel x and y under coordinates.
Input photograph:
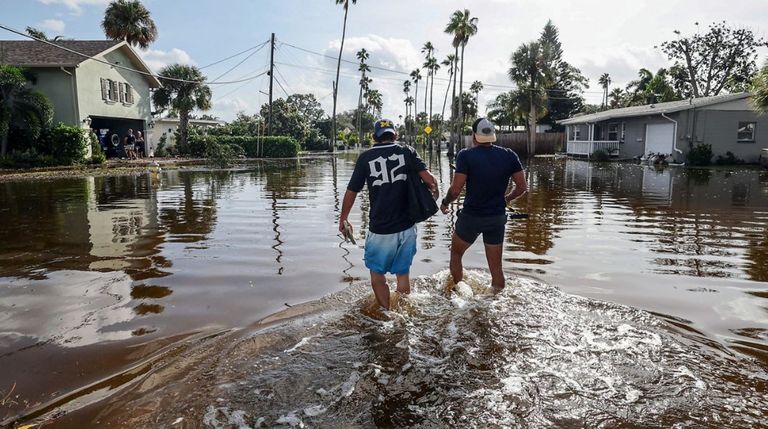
{"type": "Point", "coordinates": [638, 298]}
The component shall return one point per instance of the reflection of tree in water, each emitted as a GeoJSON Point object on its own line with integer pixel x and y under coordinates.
{"type": "Point", "coordinates": [545, 203]}
{"type": "Point", "coordinates": [195, 215]}
{"type": "Point", "coordinates": [284, 180]}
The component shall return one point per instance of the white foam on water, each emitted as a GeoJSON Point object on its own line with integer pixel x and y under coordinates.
{"type": "Point", "coordinates": [304, 341]}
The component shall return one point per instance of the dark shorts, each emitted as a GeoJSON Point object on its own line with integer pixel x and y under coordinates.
{"type": "Point", "coordinates": [492, 228]}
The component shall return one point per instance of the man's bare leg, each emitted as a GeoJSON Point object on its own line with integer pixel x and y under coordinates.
{"type": "Point", "coordinates": [493, 256]}
{"type": "Point", "coordinates": [458, 247]}
{"type": "Point", "coordinates": [380, 289]}
{"type": "Point", "coordinates": [404, 283]}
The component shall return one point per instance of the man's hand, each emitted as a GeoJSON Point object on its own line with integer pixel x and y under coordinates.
{"type": "Point", "coordinates": [444, 207]}
{"type": "Point", "coordinates": [341, 225]}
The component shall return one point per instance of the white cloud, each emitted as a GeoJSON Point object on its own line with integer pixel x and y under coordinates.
{"type": "Point", "coordinates": [156, 59]}
{"type": "Point", "coordinates": [228, 108]}
{"type": "Point", "coordinates": [75, 5]}
{"type": "Point", "coordinates": [52, 25]}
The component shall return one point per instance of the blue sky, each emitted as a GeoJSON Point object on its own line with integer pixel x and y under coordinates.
{"type": "Point", "coordinates": [598, 36]}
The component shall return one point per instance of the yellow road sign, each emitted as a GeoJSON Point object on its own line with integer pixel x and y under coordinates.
{"type": "Point", "coordinates": [428, 130]}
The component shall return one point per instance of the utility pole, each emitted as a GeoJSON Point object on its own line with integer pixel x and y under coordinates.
{"type": "Point", "coordinates": [271, 81]}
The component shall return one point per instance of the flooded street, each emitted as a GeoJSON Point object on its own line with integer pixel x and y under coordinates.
{"type": "Point", "coordinates": [635, 298]}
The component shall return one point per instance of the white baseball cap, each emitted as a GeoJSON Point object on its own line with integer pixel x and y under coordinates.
{"type": "Point", "coordinates": [484, 130]}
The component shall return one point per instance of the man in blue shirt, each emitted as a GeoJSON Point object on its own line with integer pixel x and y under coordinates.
{"type": "Point", "coordinates": [486, 170]}
{"type": "Point", "coordinates": [390, 244]}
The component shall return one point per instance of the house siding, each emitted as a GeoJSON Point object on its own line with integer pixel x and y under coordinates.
{"type": "Point", "coordinates": [57, 85]}
{"type": "Point", "coordinates": [90, 101]}
{"type": "Point", "coordinates": [719, 129]}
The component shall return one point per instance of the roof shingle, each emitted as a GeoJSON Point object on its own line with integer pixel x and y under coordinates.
{"type": "Point", "coordinates": [30, 53]}
{"type": "Point", "coordinates": [654, 109]}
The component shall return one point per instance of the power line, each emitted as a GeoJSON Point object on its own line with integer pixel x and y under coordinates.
{"type": "Point", "coordinates": [156, 76]}
{"type": "Point", "coordinates": [239, 87]}
{"type": "Point", "coordinates": [233, 56]}
{"type": "Point", "coordinates": [283, 77]}
{"type": "Point", "coordinates": [240, 63]}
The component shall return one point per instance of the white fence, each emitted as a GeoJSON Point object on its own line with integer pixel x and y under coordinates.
{"type": "Point", "coordinates": [589, 147]}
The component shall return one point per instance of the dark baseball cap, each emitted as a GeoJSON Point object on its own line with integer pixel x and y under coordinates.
{"type": "Point", "coordinates": [383, 126]}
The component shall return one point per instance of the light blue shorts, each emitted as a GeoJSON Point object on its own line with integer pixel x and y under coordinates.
{"type": "Point", "coordinates": [390, 253]}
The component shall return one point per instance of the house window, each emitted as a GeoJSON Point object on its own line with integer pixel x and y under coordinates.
{"type": "Point", "coordinates": [113, 91]}
{"type": "Point", "coordinates": [128, 94]}
{"type": "Point", "coordinates": [746, 131]}
{"type": "Point", "coordinates": [613, 132]}
{"type": "Point", "coordinates": [577, 133]}
{"type": "Point", "coordinates": [104, 89]}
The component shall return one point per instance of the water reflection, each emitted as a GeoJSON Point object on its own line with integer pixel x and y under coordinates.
{"type": "Point", "coordinates": [103, 265]}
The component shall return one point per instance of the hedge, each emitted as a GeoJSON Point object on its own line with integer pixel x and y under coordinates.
{"type": "Point", "coordinates": [272, 147]}
{"type": "Point", "coordinates": [60, 145]}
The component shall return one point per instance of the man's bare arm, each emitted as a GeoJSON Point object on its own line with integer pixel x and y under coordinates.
{"type": "Point", "coordinates": [346, 207]}
{"type": "Point", "coordinates": [459, 179]}
{"type": "Point", "coordinates": [521, 187]}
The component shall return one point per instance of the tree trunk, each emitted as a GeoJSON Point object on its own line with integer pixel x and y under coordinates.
{"type": "Point", "coordinates": [461, 99]}
{"type": "Point", "coordinates": [360, 116]}
{"type": "Point", "coordinates": [451, 150]}
{"type": "Point", "coordinates": [532, 128]}
{"type": "Point", "coordinates": [431, 100]}
{"type": "Point", "coordinates": [336, 83]}
{"type": "Point", "coordinates": [183, 126]}
{"type": "Point", "coordinates": [415, 113]}
{"type": "Point", "coordinates": [5, 126]}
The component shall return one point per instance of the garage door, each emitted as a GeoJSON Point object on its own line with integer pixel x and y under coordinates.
{"type": "Point", "coordinates": [659, 138]}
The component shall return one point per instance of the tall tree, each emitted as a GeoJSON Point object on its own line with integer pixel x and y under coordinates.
{"type": "Point", "coordinates": [416, 77]}
{"type": "Point", "coordinates": [616, 98]}
{"type": "Point", "coordinates": [509, 108]}
{"type": "Point", "coordinates": [362, 56]}
{"type": "Point", "coordinates": [375, 101]}
{"type": "Point", "coordinates": [129, 20]}
{"type": "Point", "coordinates": [650, 88]}
{"type": "Point", "coordinates": [722, 59]}
{"type": "Point", "coordinates": [406, 90]}
{"type": "Point", "coordinates": [427, 50]}
{"type": "Point", "coordinates": [605, 82]}
{"type": "Point", "coordinates": [184, 95]}
{"type": "Point", "coordinates": [450, 62]}
{"type": "Point", "coordinates": [760, 90]}
{"type": "Point", "coordinates": [530, 71]}
{"type": "Point", "coordinates": [20, 106]}
{"type": "Point", "coordinates": [345, 4]}
{"type": "Point", "coordinates": [462, 26]}
{"type": "Point", "coordinates": [475, 89]}
{"type": "Point", "coordinates": [564, 92]}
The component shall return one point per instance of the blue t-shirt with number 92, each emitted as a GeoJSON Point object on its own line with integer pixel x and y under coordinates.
{"type": "Point", "coordinates": [384, 168]}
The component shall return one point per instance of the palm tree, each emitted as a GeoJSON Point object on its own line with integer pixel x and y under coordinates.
{"type": "Point", "coordinates": [530, 71]}
{"type": "Point", "coordinates": [650, 88]}
{"type": "Point", "coordinates": [433, 66]}
{"type": "Point", "coordinates": [20, 106]}
{"type": "Point", "coordinates": [475, 89]}
{"type": "Point", "coordinates": [450, 62]}
{"type": "Point", "coordinates": [616, 98]}
{"type": "Point", "coordinates": [363, 56]}
{"type": "Point", "coordinates": [416, 77]}
{"type": "Point", "coordinates": [345, 4]}
{"type": "Point", "coordinates": [462, 26]}
{"type": "Point", "coordinates": [183, 95]}
{"type": "Point", "coordinates": [605, 82]}
{"type": "Point", "coordinates": [375, 101]}
{"type": "Point", "coordinates": [427, 50]}
{"type": "Point", "coordinates": [37, 34]}
{"type": "Point", "coordinates": [760, 90]}
{"type": "Point", "coordinates": [129, 20]}
{"type": "Point", "coordinates": [406, 90]}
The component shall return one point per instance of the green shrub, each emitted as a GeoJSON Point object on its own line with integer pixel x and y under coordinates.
{"type": "Point", "coordinates": [599, 155]}
{"type": "Point", "coordinates": [221, 155]}
{"type": "Point", "coordinates": [700, 155]}
{"type": "Point", "coordinates": [729, 159]}
{"type": "Point", "coordinates": [66, 143]}
{"type": "Point", "coordinates": [29, 158]}
{"type": "Point", "coordinates": [162, 151]}
{"type": "Point", "coordinates": [97, 153]}
{"type": "Point", "coordinates": [271, 147]}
